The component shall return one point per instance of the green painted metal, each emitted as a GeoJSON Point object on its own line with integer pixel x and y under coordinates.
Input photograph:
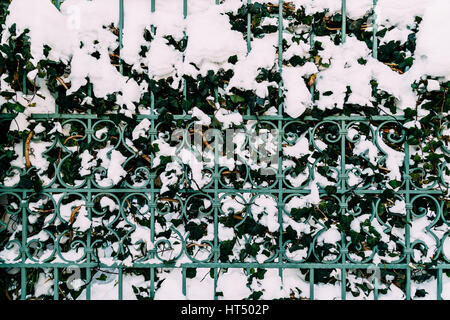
{"type": "Point", "coordinates": [90, 191]}
{"type": "Point", "coordinates": [375, 30]}
{"type": "Point", "coordinates": [249, 29]}
{"type": "Point", "coordinates": [121, 23]}
{"type": "Point", "coordinates": [344, 21]}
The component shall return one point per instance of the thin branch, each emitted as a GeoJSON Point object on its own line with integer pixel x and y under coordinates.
{"type": "Point", "coordinates": [27, 149]}
{"type": "Point", "coordinates": [62, 83]}
{"type": "Point", "coordinates": [72, 137]}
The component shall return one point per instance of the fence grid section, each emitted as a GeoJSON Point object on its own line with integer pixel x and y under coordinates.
{"type": "Point", "coordinates": [334, 131]}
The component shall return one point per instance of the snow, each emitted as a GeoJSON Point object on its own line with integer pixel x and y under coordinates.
{"type": "Point", "coordinates": [330, 236]}
{"type": "Point", "coordinates": [112, 162]}
{"type": "Point", "coordinates": [205, 48]}
{"type": "Point", "coordinates": [20, 123]}
{"type": "Point", "coordinates": [394, 160]}
{"type": "Point", "coordinates": [298, 97]}
{"type": "Point", "coordinates": [164, 150]}
{"type": "Point", "coordinates": [171, 287]}
{"type": "Point", "coordinates": [104, 77]}
{"type": "Point", "coordinates": [344, 71]}
{"type": "Point", "coordinates": [400, 13]}
{"type": "Point", "coordinates": [46, 17]}
{"type": "Point", "coordinates": [225, 233]}
{"type": "Point", "coordinates": [264, 210]}
{"type": "Point", "coordinates": [137, 14]}
{"type": "Point", "coordinates": [44, 286]}
{"type": "Point", "coordinates": [37, 157]}
{"type": "Point", "coordinates": [431, 52]}
{"type": "Point", "coordinates": [202, 117]}
{"type": "Point", "coordinates": [82, 222]}
{"type": "Point", "coordinates": [87, 162]}
{"type": "Point", "coordinates": [433, 85]}
{"type": "Point", "coordinates": [367, 148]}
{"type": "Point", "coordinates": [141, 129]}
{"type": "Point", "coordinates": [162, 59]}
{"type": "Point", "coordinates": [445, 287]}
{"type": "Point", "coordinates": [52, 27]}
{"type": "Point", "coordinates": [170, 176]}
{"type": "Point", "coordinates": [358, 8]}
{"type": "Point", "coordinates": [109, 289]}
{"type": "Point", "coordinates": [108, 202]}
{"type": "Point", "coordinates": [394, 293]}
{"type": "Point", "coordinates": [262, 56]}
{"type": "Point", "coordinates": [228, 118]}
{"type": "Point", "coordinates": [430, 287]}
{"type": "Point", "coordinates": [77, 284]}
{"type": "Point", "coordinates": [327, 291]}
{"type": "Point", "coordinates": [140, 235]}
{"type": "Point", "coordinates": [420, 233]}
{"type": "Point", "coordinates": [233, 205]}
{"type": "Point", "coordinates": [233, 285]}
{"type": "Point", "coordinates": [299, 149]}
{"type": "Point", "coordinates": [398, 207]}
{"type": "Point", "coordinates": [10, 254]}
{"type": "Point", "coordinates": [39, 128]}
{"type": "Point", "coordinates": [300, 49]}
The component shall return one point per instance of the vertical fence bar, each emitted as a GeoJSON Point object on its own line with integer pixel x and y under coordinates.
{"type": "Point", "coordinates": [183, 284]}
{"type": "Point", "coordinates": [152, 283]}
{"type": "Point", "coordinates": [88, 205]}
{"type": "Point", "coordinates": [153, 9]}
{"type": "Point", "coordinates": [311, 284]}
{"type": "Point", "coordinates": [311, 90]}
{"type": "Point", "coordinates": [439, 283]}
{"type": "Point", "coordinates": [311, 46]}
{"type": "Point", "coordinates": [375, 56]}
{"type": "Point", "coordinates": [408, 206]}
{"type": "Point", "coordinates": [249, 36]}
{"type": "Point", "coordinates": [216, 204]}
{"type": "Point", "coordinates": [55, 283]}
{"type": "Point", "coordinates": [343, 173]}
{"type": "Point", "coordinates": [374, 31]}
{"type": "Point", "coordinates": [344, 21]}
{"type": "Point", "coordinates": [121, 25]}
{"type": "Point", "coordinates": [153, 134]}
{"type": "Point", "coordinates": [343, 177]}
{"type": "Point", "coordinates": [249, 27]}
{"type": "Point", "coordinates": [344, 284]}
{"type": "Point", "coordinates": [23, 273]}
{"type": "Point", "coordinates": [120, 279]}
{"type": "Point", "coordinates": [23, 283]}
{"type": "Point", "coordinates": [376, 285]}
{"type": "Point", "coordinates": [279, 174]}
{"type": "Point", "coordinates": [24, 84]}
{"type": "Point", "coordinates": [57, 4]}
{"type": "Point", "coordinates": [280, 70]}
{"type": "Point", "coordinates": [185, 13]}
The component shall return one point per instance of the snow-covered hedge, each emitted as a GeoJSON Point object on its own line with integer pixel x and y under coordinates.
{"type": "Point", "coordinates": [91, 95]}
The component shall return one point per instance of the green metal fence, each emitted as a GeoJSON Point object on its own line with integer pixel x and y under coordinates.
{"type": "Point", "coordinates": [348, 201]}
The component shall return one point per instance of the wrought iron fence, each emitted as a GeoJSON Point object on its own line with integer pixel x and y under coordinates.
{"type": "Point", "coordinates": [339, 201]}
